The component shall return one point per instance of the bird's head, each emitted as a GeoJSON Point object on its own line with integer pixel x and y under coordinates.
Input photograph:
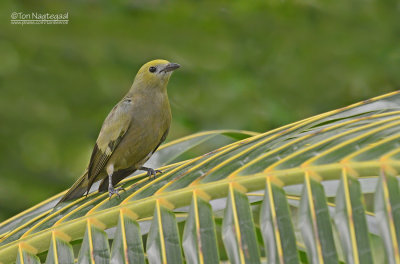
{"type": "Point", "coordinates": [155, 74]}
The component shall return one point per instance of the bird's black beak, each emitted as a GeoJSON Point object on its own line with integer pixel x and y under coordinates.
{"type": "Point", "coordinates": [170, 67]}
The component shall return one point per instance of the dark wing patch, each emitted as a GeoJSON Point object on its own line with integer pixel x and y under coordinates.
{"type": "Point", "coordinates": [99, 159]}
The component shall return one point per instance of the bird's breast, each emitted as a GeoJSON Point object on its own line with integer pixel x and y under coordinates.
{"type": "Point", "coordinates": [149, 123]}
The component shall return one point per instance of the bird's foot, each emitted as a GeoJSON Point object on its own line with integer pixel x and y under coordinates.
{"type": "Point", "coordinates": [112, 191]}
{"type": "Point", "coordinates": [150, 172]}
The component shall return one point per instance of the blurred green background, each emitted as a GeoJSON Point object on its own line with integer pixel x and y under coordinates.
{"type": "Point", "coordinates": [252, 65]}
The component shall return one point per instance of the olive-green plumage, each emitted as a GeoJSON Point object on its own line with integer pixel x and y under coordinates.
{"type": "Point", "coordinates": [132, 131]}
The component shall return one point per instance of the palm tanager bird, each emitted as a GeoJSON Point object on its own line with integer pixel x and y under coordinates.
{"type": "Point", "coordinates": [131, 133]}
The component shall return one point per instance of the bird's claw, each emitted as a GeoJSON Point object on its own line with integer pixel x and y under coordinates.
{"type": "Point", "coordinates": [112, 191]}
{"type": "Point", "coordinates": [153, 172]}
{"type": "Point", "coordinates": [150, 172]}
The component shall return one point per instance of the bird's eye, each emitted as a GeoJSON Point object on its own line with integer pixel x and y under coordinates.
{"type": "Point", "coordinates": [152, 69]}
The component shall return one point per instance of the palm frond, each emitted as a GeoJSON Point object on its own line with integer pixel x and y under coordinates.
{"type": "Point", "coordinates": [321, 190]}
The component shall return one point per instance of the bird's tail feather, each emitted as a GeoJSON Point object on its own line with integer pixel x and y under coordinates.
{"type": "Point", "coordinates": [77, 189]}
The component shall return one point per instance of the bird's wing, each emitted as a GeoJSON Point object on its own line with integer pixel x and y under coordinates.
{"type": "Point", "coordinates": [111, 134]}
